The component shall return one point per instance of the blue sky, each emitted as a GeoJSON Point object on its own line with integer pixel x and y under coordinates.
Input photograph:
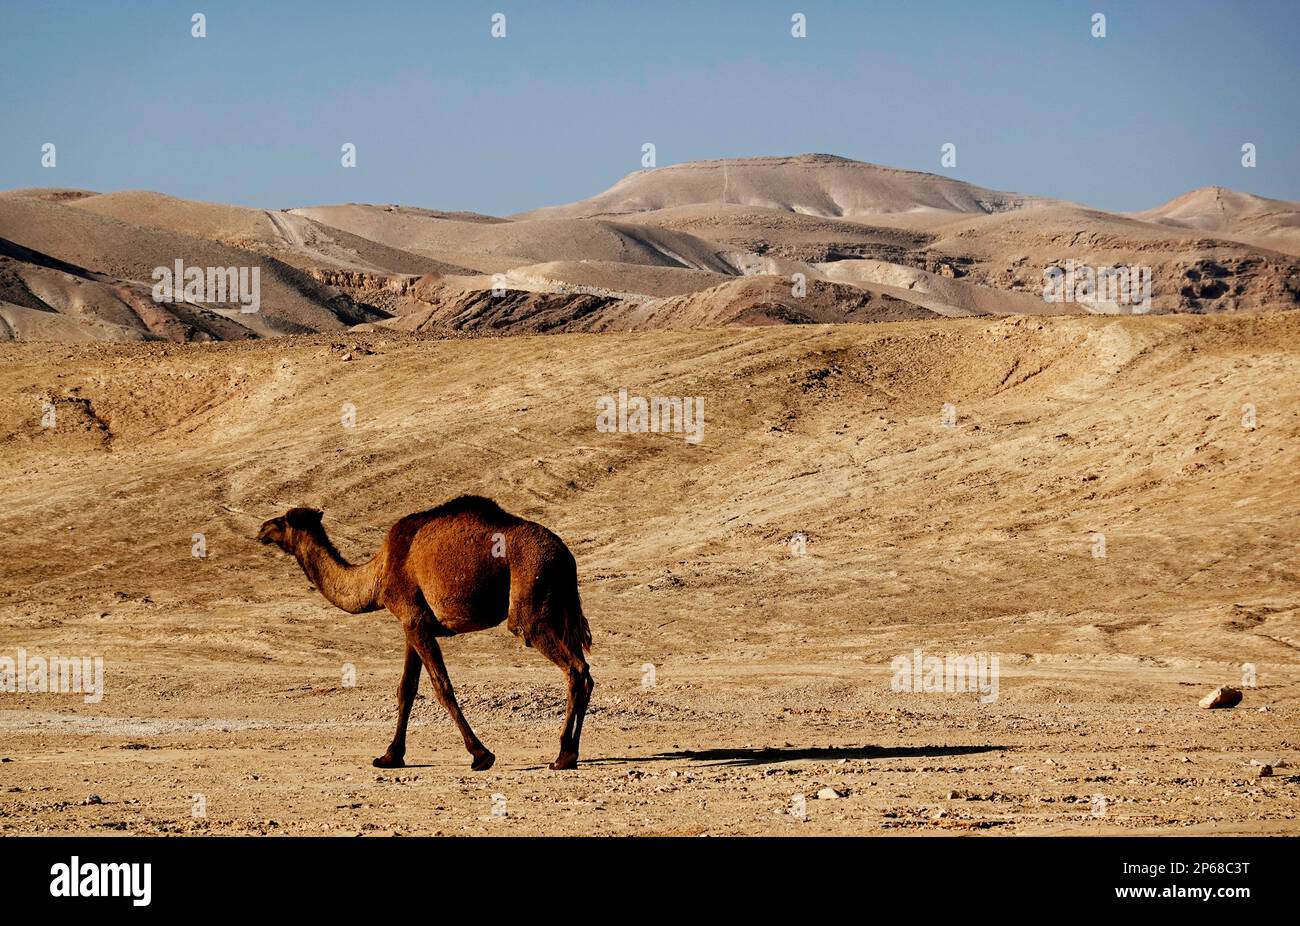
{"type": "Point", "coordinates": [447, 117]}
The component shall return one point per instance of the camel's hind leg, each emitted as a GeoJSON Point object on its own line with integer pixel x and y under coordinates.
{"type": "Point", "coordinates": [427, 645]}
{"type": "Point", "coordinates": [406, 689]}
{"type": "Point", "coordinates": [575, 668]}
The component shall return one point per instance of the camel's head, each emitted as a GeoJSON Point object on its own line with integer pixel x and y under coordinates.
{"type": "Point", "coordinates": [286, 530]}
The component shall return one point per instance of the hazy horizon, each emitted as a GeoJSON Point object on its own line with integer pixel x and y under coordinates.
{"type": "Point", "coordinates": [447, 117]}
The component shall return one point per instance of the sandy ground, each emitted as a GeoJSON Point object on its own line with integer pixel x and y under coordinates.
{"type": "Point", "coordinates": [225, 674]}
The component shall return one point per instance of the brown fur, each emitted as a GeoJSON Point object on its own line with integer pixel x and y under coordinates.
{"type": "Point", "coordinates": [437, 572]}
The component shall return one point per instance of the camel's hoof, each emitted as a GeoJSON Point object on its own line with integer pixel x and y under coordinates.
{"type": "Point", "coordinates": [387, 760]}
{"type": "Point", "coordinates": [566, 761]}
{"type": "Point", "coordinates": [483, 763]}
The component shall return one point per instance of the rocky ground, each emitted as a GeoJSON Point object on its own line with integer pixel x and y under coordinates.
{"type": "Point", "coordinates": [748, 594]}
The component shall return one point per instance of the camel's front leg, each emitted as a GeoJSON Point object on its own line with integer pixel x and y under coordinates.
{"type": "Point", "coordinates": [427, 645]}
{"type": "Point", "coordinates": [406, 689]}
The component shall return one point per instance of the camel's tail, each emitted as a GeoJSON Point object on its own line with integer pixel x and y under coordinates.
{"type": "Point", "coordinates": [577, 632]}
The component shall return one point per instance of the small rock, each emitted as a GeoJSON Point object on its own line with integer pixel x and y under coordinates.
{"type": "Point", "coordinates": [92, 799]}
{"type": "Point", "coordinates": [830, 794]}
{"type": "Point", "coordinates": [1265, 771]}
{"type": "Point", "coordinates": [346, 357]}
{"type": "Point", "coordinates": [1221, 697]}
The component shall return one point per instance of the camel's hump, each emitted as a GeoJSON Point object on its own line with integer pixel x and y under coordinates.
{"type": "Point", "coordinates": [466, 504]}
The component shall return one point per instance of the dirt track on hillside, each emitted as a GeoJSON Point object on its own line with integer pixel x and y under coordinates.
{"type": "Point", "coordinates": [772, 672]}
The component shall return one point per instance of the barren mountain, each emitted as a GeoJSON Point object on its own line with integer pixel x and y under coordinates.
{"type": "Point", "coordinates": [940, 293]}
{"type": "Point", "coordinates": [677, 246]}
{"type": "Point", "coordinates": [45, 299]}
{"type": "Point", "coordinates": [611, 278]}
{"type": "Point", "coordinates": [509, 244]}
{"type": "Point", "coordinates": [292, 301]}
{"type": "Point", "coordinates": [1190, 270]}
{"type": "Point", "coordinates": [48, 194]}
{"type": "Point", "coordinates": [813, 184]}
{"type": "Point", "coordinates": [746, 301]}
{"type": "Point", "coordinates": [1273, 223]}
{"type": "Point", "coordinates": [750, 231]}
{"type": "Point", "coordinates": [296, 240]}
{"type": "Point", "coordinates": [771, 300]}
{"type": "Point", "coordinates": [783, 215]}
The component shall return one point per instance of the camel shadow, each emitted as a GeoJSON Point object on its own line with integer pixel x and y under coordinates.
{"type": "Point", "coordinates": [770, 755]}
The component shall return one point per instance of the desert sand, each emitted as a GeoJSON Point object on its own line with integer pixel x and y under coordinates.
{"type": "Point", "coordinates": [906, 452]}
{"type": "Point", "coordinates": [736, 680]}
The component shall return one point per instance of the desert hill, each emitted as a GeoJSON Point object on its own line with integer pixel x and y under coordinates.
{"type": "Point", "coordinates": [675, 246]}
{"type": "Point", "coordinates": [611, 278]}
{"type": "Point", "coordinates": [1191, 270]}
{"type": "Point", "coordinates": [770, 300]}
{"type": "Point", "coordinates": [47, 194]}
{"type": "Point", "coordinates": [773, 669]}
{"type": "Point", "coordinates": [822, 210]}
{"type": "Point", "coordinates": [745, 301]}
{"type": "Point", "coordinates": [810, 184]}
{"type": "Point", "coordinates": [515, 243]}
{"type": "Point", "coordinates": [46, 299]}
{"type": "Point", "coordinates": [296, 240]}
{"type": "Point", "coordinates": [1270, 222]}
{"type": "Point", "coordinates": [292, 300]}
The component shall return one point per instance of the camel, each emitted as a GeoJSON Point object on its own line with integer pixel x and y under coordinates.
{"type": "Point", "coordinates": [465, 565]}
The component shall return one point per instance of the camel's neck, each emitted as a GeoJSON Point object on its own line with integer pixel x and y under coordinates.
{"type": "Point", "coordinates": [355, 589]}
